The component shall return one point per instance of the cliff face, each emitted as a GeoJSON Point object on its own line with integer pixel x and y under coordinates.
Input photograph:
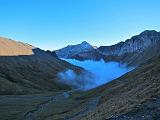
{"type": "Point", "coordinates": [137, 43]}
{"type": "Point", "coordinates": [134, 51]}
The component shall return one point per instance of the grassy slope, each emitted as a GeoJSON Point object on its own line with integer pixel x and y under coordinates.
{"type": "Point", "coordinates": [124, 96]}
{"type": "Point", "coordinates": [128, 92]}
{"type": "Point", "coordinates": [30, 74]}
{"type": "Point", "coordinates": [25, 69]}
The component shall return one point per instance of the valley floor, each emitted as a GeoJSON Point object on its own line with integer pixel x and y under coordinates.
{"type": "Point", "coordinates": [133, 96]}
{"type": "Point", "coordinates": [67, 106]}
{"type": "Point", "coordinates": [49, 106]}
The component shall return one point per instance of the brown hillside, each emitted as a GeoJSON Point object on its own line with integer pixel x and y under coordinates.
{"type": "Point", "coordinates": [12, 48]}
{"type": "Point", "coordinates": [25, 69]}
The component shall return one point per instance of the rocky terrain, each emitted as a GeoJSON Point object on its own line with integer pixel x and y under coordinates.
{"type": "Point", "coordinates": [134, 51]}
{"type": "Point", "coordinates": [136, 43]}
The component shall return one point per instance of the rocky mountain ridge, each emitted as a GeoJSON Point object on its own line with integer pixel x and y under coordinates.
{"type": "Point", "coordinates": [135, 44]}
{"type": "Point", "coordinates": [133, 51]}
{"type": "Point", "coordinates": [82, 51]}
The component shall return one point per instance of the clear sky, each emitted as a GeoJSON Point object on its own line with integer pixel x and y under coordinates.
{"type": "Point", "coordinates": [53, 24]}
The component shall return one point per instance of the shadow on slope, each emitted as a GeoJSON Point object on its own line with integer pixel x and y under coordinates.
{"type": "Point", "coordinates": [26, 74]}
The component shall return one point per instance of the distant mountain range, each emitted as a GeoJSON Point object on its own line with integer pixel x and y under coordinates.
{"type": "Point", "coordinates": [135, 95]}
{"type": "Point", "coordinates": [142, 47]}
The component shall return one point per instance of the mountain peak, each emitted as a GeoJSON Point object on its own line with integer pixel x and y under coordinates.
{"type": "Point", "coordinates": [137, 43]}
{"type": "Point", "coordinates": [72, 50]}
{"type": "Point", "coordinates": [148, 32]}
{"type": "Point", "coordinates": [85, 43]}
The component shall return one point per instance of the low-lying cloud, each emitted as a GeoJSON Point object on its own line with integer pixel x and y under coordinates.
{"type": "Point", "coordinates": [101, 73]}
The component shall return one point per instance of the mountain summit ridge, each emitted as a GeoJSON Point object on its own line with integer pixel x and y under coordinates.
{"type": "Point", "coordinates": [72, 50]}
{"type": "Point", "coordinates": [136, 43]}
{"type": "Point", "coordinates": [137, 47]}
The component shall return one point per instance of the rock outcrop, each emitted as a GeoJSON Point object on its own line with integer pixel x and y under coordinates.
{"type": "Point", "coordinates": [137, 43]}
{"type": "Point", "coordinates": [134, 51]}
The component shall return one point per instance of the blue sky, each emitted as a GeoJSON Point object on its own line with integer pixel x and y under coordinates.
{"type": "Point", "coordinates": [52, 24]}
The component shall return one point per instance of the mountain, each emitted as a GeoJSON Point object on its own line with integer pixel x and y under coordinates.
{"type": "Point", "coordinates": [25, 69]}
{"type": "Point", "coordinates": [134, 96]}
{"type": "Point", "coordinates": [83, 51]}
{"type": "Point", "coordinates": [135, 50]}
{"type": "Point", "coordinates": [137, 43]}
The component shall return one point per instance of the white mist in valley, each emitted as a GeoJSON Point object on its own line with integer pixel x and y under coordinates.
{"type": "Point", "coordinates": [102, 72]}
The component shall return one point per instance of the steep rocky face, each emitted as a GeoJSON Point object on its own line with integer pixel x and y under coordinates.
{"type": "Point", "coordinates": [137, 43]}
{"type": "Point", "coordinates": [81, 51]}
{"type": "Point", "coordinates": [134, 51]}
{"type": "Point", "coordinates": [25, 69]}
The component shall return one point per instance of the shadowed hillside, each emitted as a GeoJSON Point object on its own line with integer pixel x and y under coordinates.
{"type": "Point", "coordinates": [132, 96]}
{"type": "Point", "coordinates": [25, 69]}
{"type": "Point", "coordinates": [135, 96]}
